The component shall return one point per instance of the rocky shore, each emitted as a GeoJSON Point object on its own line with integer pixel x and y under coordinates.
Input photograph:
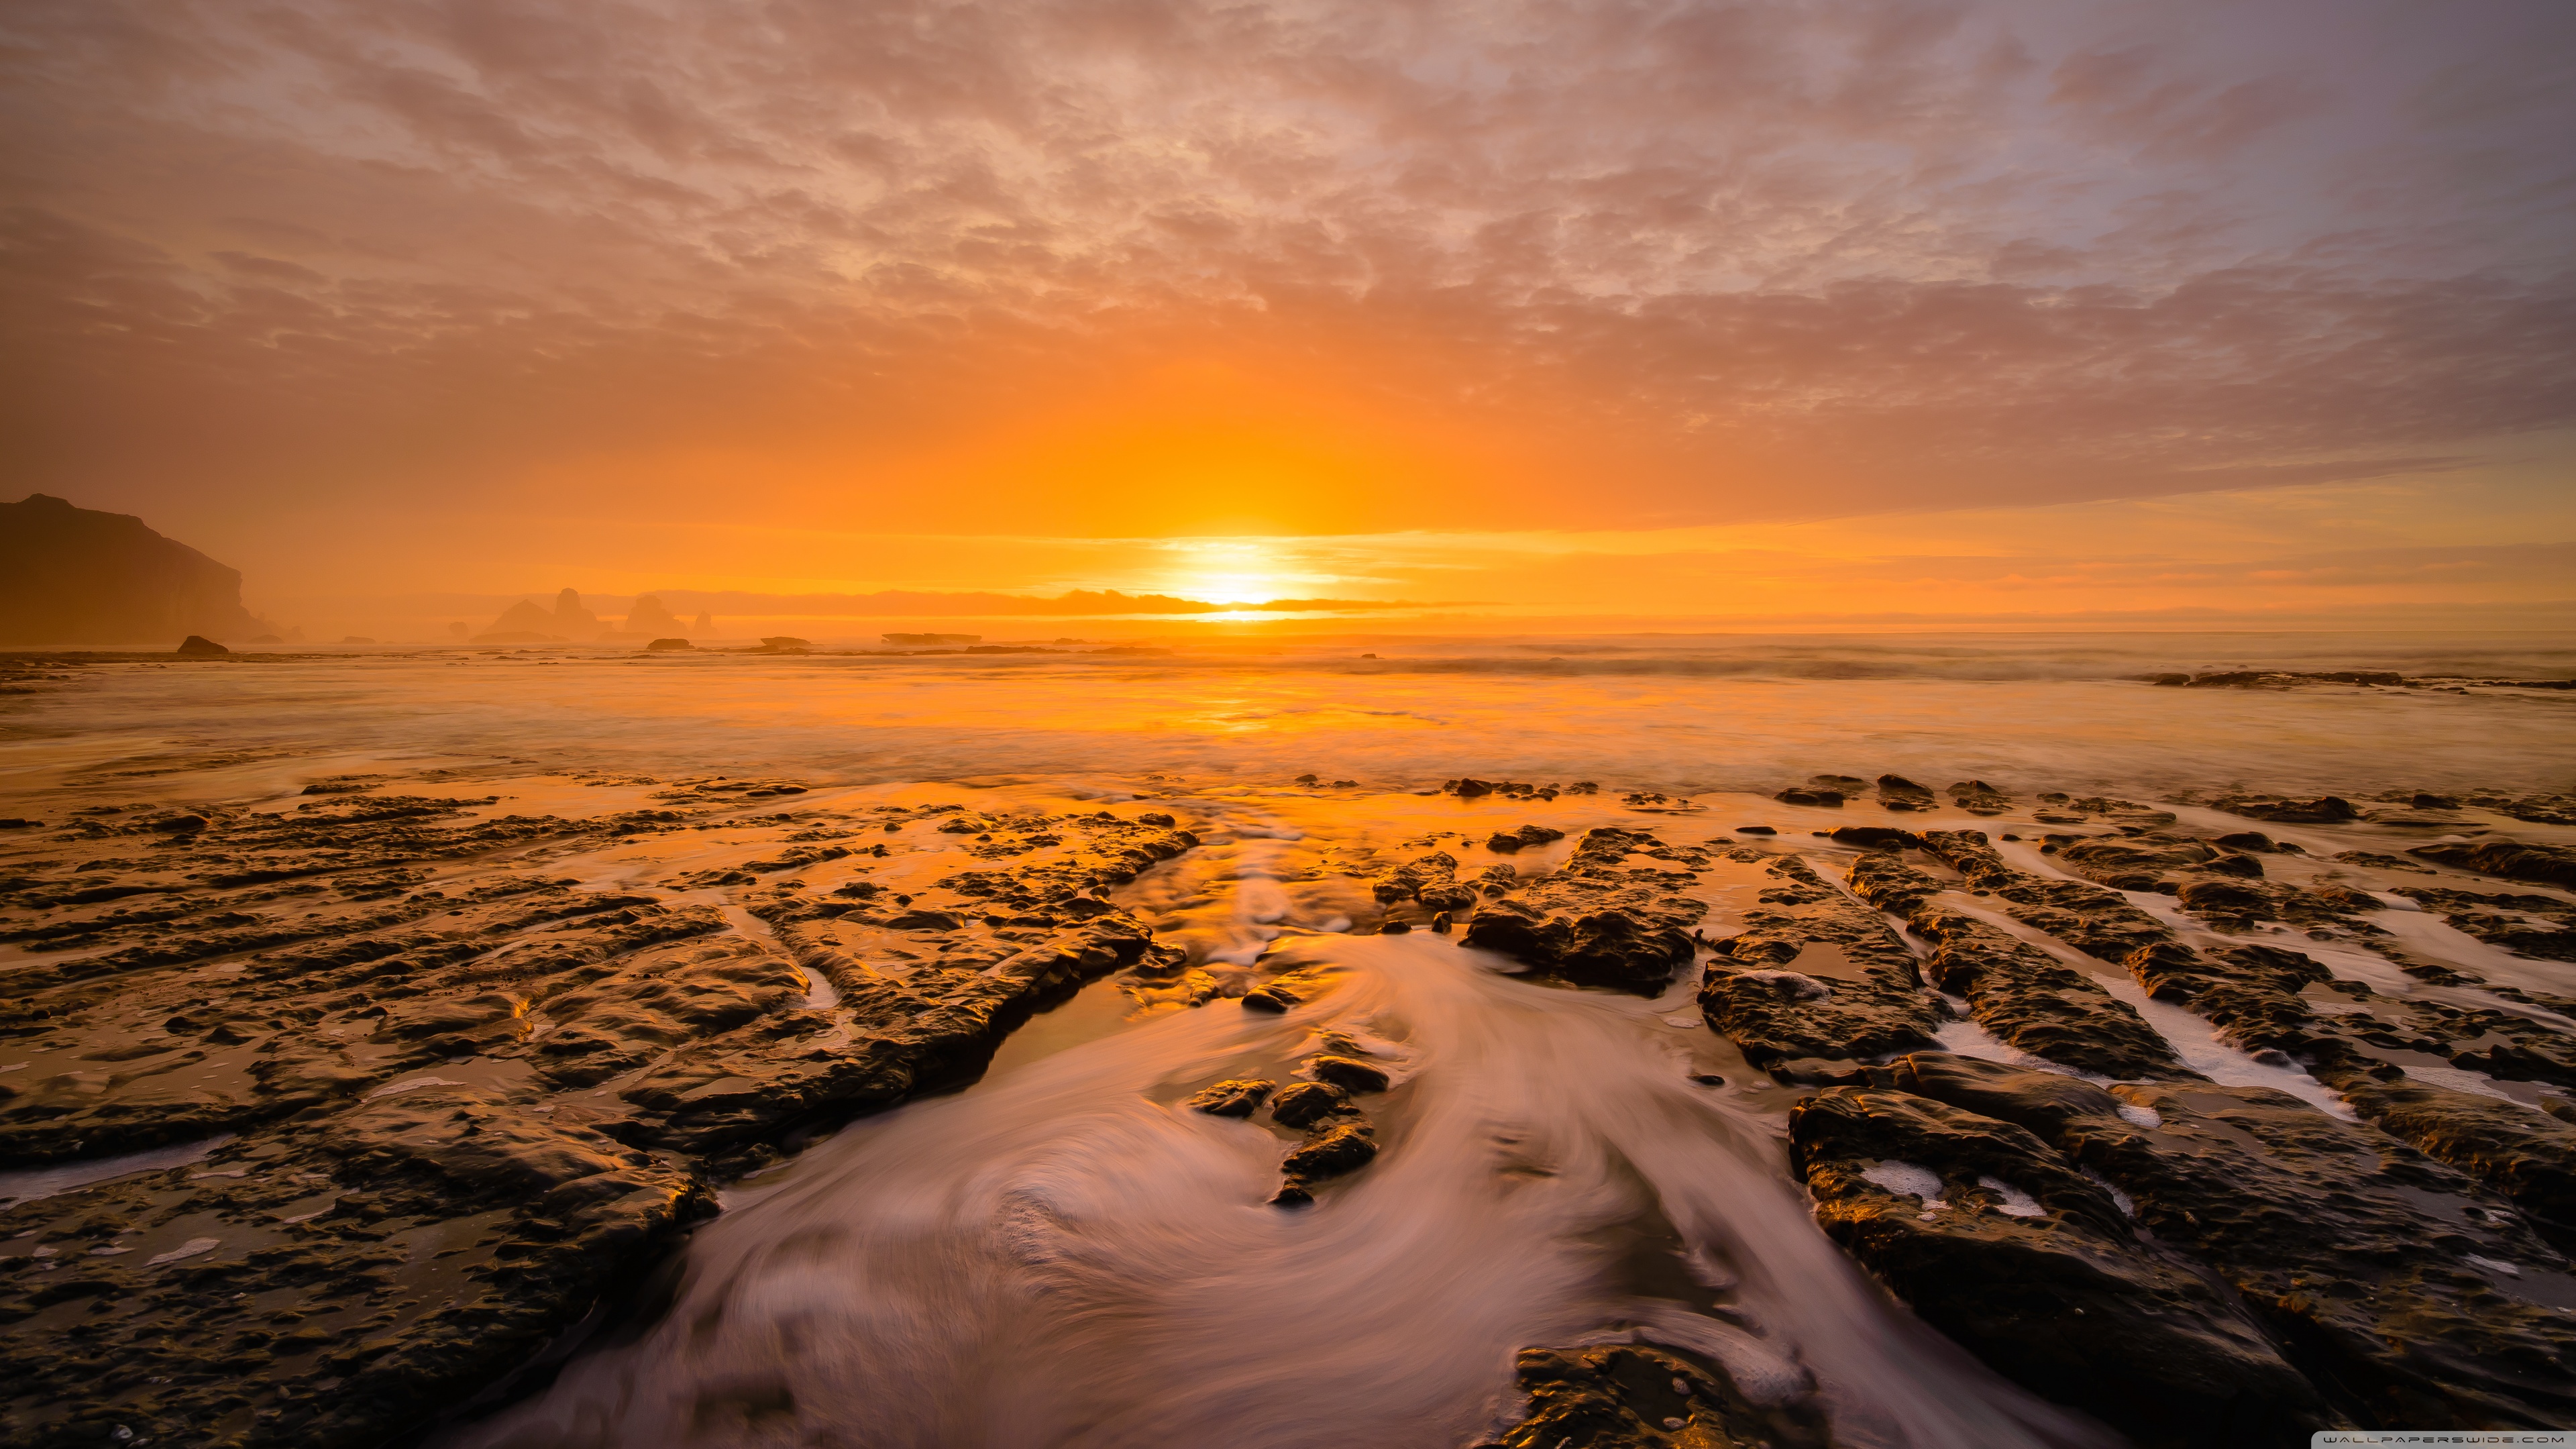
{"type": "Point", "coordinates": [331, 1117]}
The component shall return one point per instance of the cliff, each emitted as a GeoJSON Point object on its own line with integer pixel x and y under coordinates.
{"type": "Point", "coordinates": [74, 576]}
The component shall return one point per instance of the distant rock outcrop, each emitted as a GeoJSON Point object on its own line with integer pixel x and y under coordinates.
{"type": "Point", "coordinates": [649, 616]}
{"type": "Point", "coordinates": [525, 623]}
{"type": "Point", "coordinates": [573, 619]}
{"type": "Point", "coordinates": [75, 576]}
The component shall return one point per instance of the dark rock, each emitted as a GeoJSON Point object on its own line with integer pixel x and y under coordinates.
{"type": "Point", "coordinates": [1802, 795]}
{"type": "Point", "coordinates": [1430, 880]}
{"type": "Point", "coordinates": [2149, 861]}
{"type": "Point", "coordinates": [1597, 921]}
{"type": "Point", "coordinates": [2020, 993]}
{"type": "Point", "coordinates": [2324, 810]}
{"type": "Point", "coordinates": [1269, 998]}
{"type": "Point", "coordinates": [2511, 859]}
{"type": "Point", "coordinates": [1875, 837]}
{"type": "Point", "coordinates": [1640, 1396]}
{"type": "Point", "coordinates": [1755, 830]}
{"type": "Point", "coordinates": [2527, 1158]}
{"type": "Point", "coordinates": [1233, 1098]}
{"type": "Point", "coordinates": [1509, 841]}
{"type": "Point", "coordinates": [76, 576]}
{"type": "Point", "coordinates": [1303, 1104]}
{"type": "Point", "coordinates": [1349, 1073]}
{"type": "Point", "coordinates": [1895, 792]}
{"type": "Point", "coordinates": [2032, 1266]}
{"type": "Point", "coordinates": [2098, 922]}
{"type": "Point", "coordinates": [1825, 1071]}
{"type": "Point", "coordinates": [1342, 1148]}
{"type": "Point", "coordinates": [1814, 975]}
{"type": "Point", "coordinates": [1398, 928]}
{"type": "Point", "coordinates": [666, 645]}
{"type": "Point", "coordinates": [785, 642]}
{"type": "Point", "coordinates": [1979, 798]}
{"type": "Point", "coordinates": [2353, 1250]}
{"type": "Point", "coordinates": [359, 930]}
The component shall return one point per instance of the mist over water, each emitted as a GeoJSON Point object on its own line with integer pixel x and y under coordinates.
{"type": "Point", "coordinates": [2027, 712]}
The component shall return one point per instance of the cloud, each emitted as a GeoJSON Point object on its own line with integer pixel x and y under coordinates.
{"type": "Point", "coordinates": [1177, 265]}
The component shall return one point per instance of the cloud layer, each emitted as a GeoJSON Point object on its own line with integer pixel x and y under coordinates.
{"type": "Point", "coordinates": [1175, 266]}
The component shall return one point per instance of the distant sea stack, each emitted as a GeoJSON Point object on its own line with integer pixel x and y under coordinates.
{"type": "Point", "coordinates": [651, 616]}
{"type": "Point", "coordinates": [525, 623]}
{"type": "Point", "coordinates": [74, 576]}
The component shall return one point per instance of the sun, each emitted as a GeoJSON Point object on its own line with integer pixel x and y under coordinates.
{"type": "Point", "coordinates": [1228, 573]}
{"type": "Point", "coordinates": [1235, 589]}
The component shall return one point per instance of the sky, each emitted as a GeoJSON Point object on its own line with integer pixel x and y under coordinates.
{"type": "Point", "coordinates": [1825, 310]}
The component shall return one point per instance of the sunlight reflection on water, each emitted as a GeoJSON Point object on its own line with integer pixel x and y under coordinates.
{"type": "Point", "coordinates": [1687, 720]}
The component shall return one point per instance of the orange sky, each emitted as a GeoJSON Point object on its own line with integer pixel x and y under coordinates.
{"type": "Point", "coordinates": [1589, 309]}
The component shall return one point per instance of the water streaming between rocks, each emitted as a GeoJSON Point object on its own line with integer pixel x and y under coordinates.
{"type": "Point", "coordinates": [1071, 1257]}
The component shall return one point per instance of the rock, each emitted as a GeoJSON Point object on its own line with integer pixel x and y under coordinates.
{"type": "Point", "coordinates": [1755, 830]}
{"type": "Point", "coordinates": [1507, 842]}
{"type": "Point", "coordinates": [783, 642]}
{"type": "Point", "coordinates": [2511, 859]}
{"type": "Point", "coordinates": [1269, 998]}
{"type": "Point", "coordinates": [1826, 1071]}
{"type": "Point", "coordinates": [1876, 1006]}
{"type": "Point", "coordinates": [2020, 993]}
{"type": "Point", "coordinates": [1303, 1104]}
{"type": "Point", "coordinates": [1343, 1148]}
{"type": "Point", "coordinates": [200, 646]}
{"type": "Point", "coordinates": [1895, 792]}
{"type": "Point", "coordinates": [1597, 921]}
{"type": "Point", "coordinates": [2355, 1252]}
{"type": "Point", "coordinates": [2094, 920]}
{"type": "Point", "coordinates": [76, 576]}
{"type": "Point", "coordinates": [2006, 1247]}
{"type": "Point", "coordinates": [2540, 927]}
{"type": "Point", "coordinates": [1874, 837]}
{"type": "Point", "coordinates": [1349, 1073]}
{"type": "Point", "coordinates": [1641, 1396]}
{"type": "Point", "coordinates": [2324, 810]}
{"type": "Point", "coordinates": [1979, 798]}
{"type": "Point", "coordinates": [2525, 1157]}
{"type": "Point", "coordinates": [1803, 795]}
{"type": "Point", "coordinates": [1232, 1098]}
{"type": "Point", "coordinates": [661, 646]}
{"type": "Point", "coordinates": [1430, 880]}
{"type": "Point", "coordinates": [2149, 861]}
{"type": "Point", "coordinates": [626, 1050]}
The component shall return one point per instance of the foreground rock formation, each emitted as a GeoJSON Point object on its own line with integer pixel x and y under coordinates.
{"type": "Point", "coordinates": [442, 1104]}
{"type": "Point", "coordinates": [2216, 1134]}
